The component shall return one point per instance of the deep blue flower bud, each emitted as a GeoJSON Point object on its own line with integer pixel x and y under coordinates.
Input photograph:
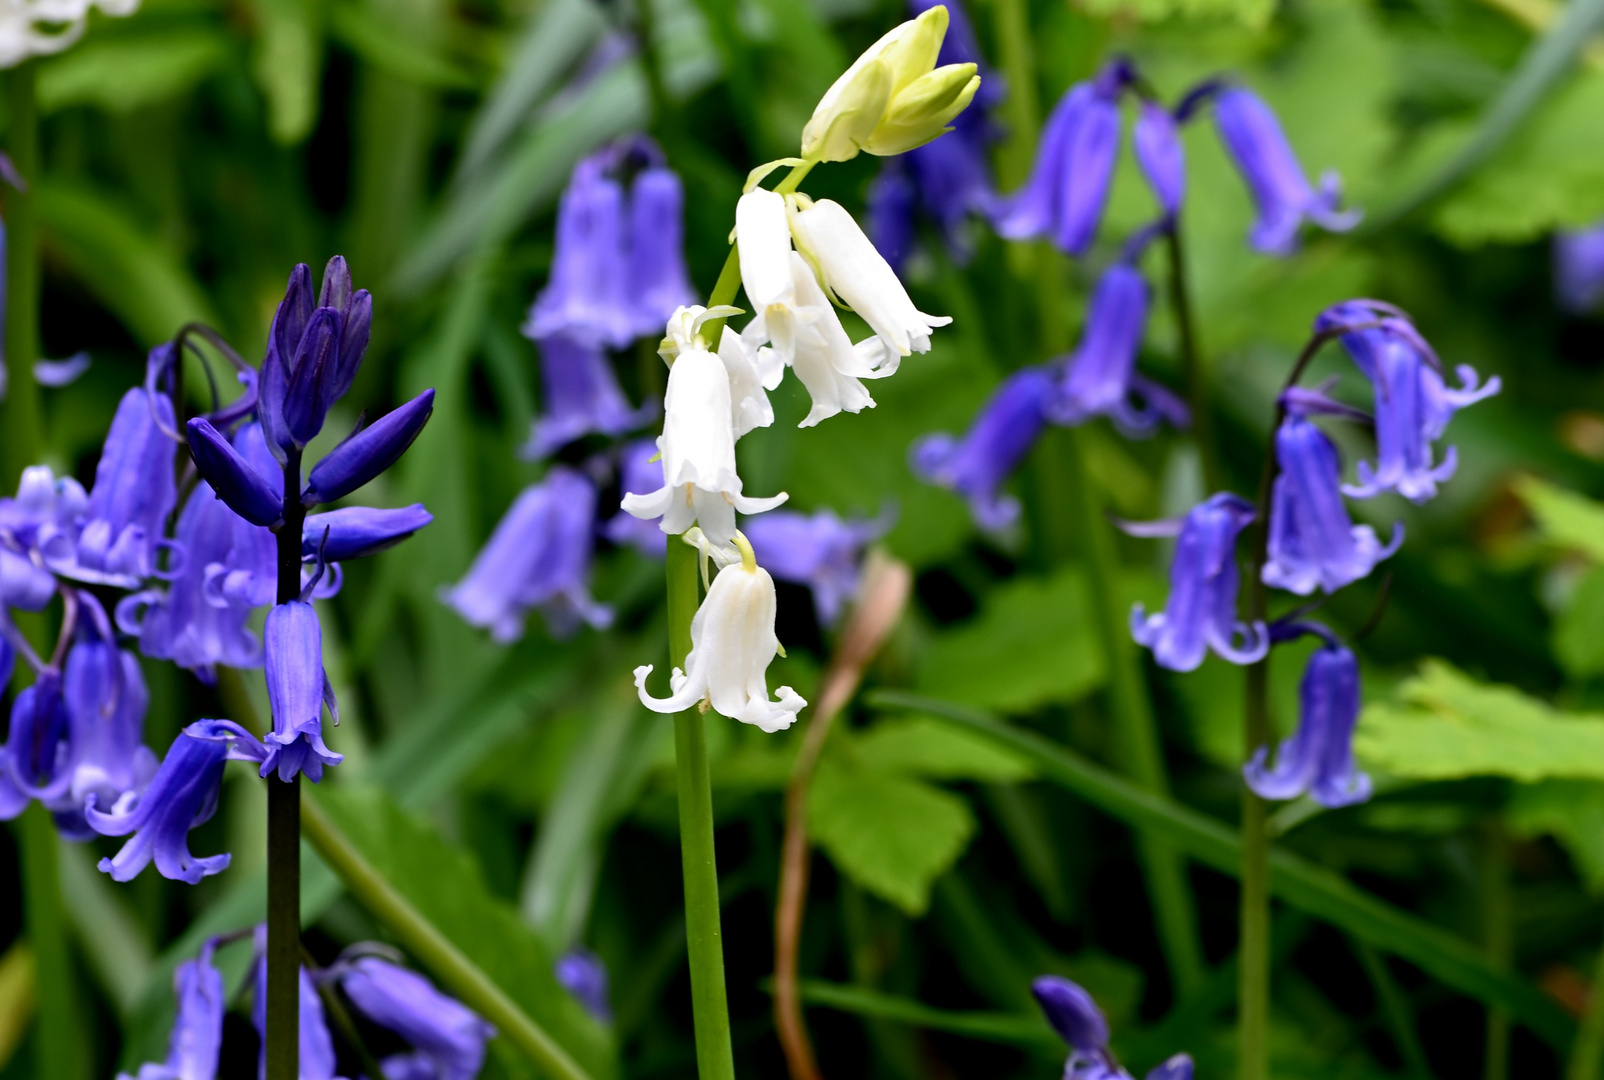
{"type": "Point", "coordinates": [538, 556]}
{"type": "Point", "coordinates": [581, 396]}
{"type": "Point", "coordinates": [356, 531]}
{"type": "Point", "coordinates": [335, 291]}
{"type": "Point", "coordinates": [586, 295]}
{"type": "Point", "coordinates": [38, 751]}
{"type": "Point", "coordinates": [1579, 269]}
{"type": "Point", "coordinates": [1318, 759]}
{"type": "Point", "coordinates": [354, 337]}
{"type": "Point", "coordinates": [1313, 542]}
{"type": "Point", "coordinates": [116, 541]}
{"type": "Point", "coordinates": [582, 973]}
{"type": "Point", "coordinates": [313, 374]}
{"type": "Point", "coordinates": [1157, 140]}
{"type": "Point", "coordinates": [197, 1035]}
{"type": "Point", "coordinates": [241, 487]}
{"type": "Point", "coordinates": [1178, 1067]}
{"type": "Point", "coordinates": [1101, 378]}
{"type": "Point", "coordinates": [1253, 137]}
{"type": "Point", "coordinates": [658, 280]}
{"type": "Point", "coordinates": [1201, 611]}
{"type": "Point", "coordinates": [1064, 198]}
{"type": "Point", "coordinates": [447, 1037]}
{"type": "Point", "coordinates": [298, 688]}
{"type": "Point", "coordinates": [977, 465]}
{"type": "Point", "coordinates": [1072, 1012]}
{"type": "Point", "coordinates": [283, 338]}
{"type": "Point", "coordinates": [639, 474]}
{"type": "Point", "coordinates": [819, 550]}
{"type": "Point", "coordinates": [313, 353]}
{"type": "Point", "coordinates": [368, 452]}
{"type": "Point", "coordinates": [317, 1059]}
{"type": "Point", "coordinates": [182, 795]}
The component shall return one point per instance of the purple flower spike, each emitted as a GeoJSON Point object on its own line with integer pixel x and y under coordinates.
{"type": "Point", "coordinates": [368, 452]}
{"type": "Point", "coordinates": [317, 1060]}
{"type": "Point", "coordinates": [582, 396]}
{"type": "Point", "coordinates": [1318, 759]}
{"type": "Point", "coordinates": [357, 531]}
{"type": "Point", "coordinates": [240, 486]}
{"type": "Point", "coordinates": [819, 550]}
{"type": "Point", "coordinates": [1255, 141]}
{"type": "Point", "coordinates": [1159, 152]}
{"type": "Point", "coordinates": [448, 1038]}
{"type": "Point", "coordinates": [582, 973]}
{"type": "Point", "coordinates": [197, 1035]}
{"type": "Point", "coordinates": [1201, 611]}
{"type": "Point", "coordinates": [1101, 379]}
{"type": "Point", "coordinates": [182, 795]}
{"type": "Point", "coordinates": [298, 689]}
{"type": "Point", "coordinates": [585, 297]}
{"type": "Point", "coordinates": [1579, 269]}
{"type": "Point", "coordinates": [313, 353]}
{"type": "Point", "coordinates": [1313, 543]}
{"type": "Point", "coordinates": [1072, 1012]}
{"type": "Point", "coordinates": [977, 465]}
{"type": "Point", "coordinates": [640, 474]}
{"type": "Point", "coordinates": [658, 280]}
{"type": "Point", "coordinates": [539, 556]}
{"type": "Point", "coordinates": [1063, 200]}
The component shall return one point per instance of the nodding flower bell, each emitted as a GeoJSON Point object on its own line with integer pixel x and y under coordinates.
{"type": "Point", "coordinates": [639, 474]}
{"type": "Point", "coordinates": [818, 550]}
{"type": "Point", "coordinates": [538, 557]}
{"type": "Point", "coordinates": [732, 645]}
{"type": "Point", "coordinates": [763, 246]}
{"type": "Point", "coordinates": [1080, 1023]}
{"type": "Point", "coordinates": [298, 689]}
{"type": "Point", "coordinates": [1101, 378]}
{"type": "Point", "coordinates": [585, 298]}
{"type": "Point", "coordinates": [702, 417]}
{"type": "Point", "coordinates": [582, 973]}
{"type": "Point", "coordinates": [582, 397]}
{"type": "Point", "coordinates": [977, 465]}
{"type": "Point", "coordinates": [38, 752]}
{"type": "Point", "coordinates": [1318, 759]}
{"type": "Point", "coordinates": [1579, 269]}
{"type": "Point", "coordinates": [447, 1037]}
{"type": "Point", "coordinates": [658, 279]}
{"type": "Point", "coordinates": [106, 700]}
{"type": "Point", "coordinates": [1313, 543]}
{"type": "Point", "coordinates": [1064, 197]}
{"type": "Point", "coordinates": [316, 1052]}
{"type": "Point", "coordinates": [314, 349]}
{"type": "Point", "coordinates": [196, 1040]}
{"type": "Point", "coordinates": [824, 358]}
{"type": "Point", "coordinates": [1201, 611]}
{"type": "Point", "coordinates": [1157, 140]}
{"type": "Point", "coordinates": [1253, 137]}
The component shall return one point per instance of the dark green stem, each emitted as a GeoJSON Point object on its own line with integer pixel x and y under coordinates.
{"type": "Point", "coordinates": [1587, 1053]}
{"type": "Point", "coordinates": [19, 421]}
{"type": "Point", "coordinates": [1191, 358]}
{"type": "Point", "coordinates": [1498, 929]}
{"type": "Point", "coordinates": [1395, 1007]}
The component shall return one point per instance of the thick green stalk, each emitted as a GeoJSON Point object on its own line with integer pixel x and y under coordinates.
{"type": "Point", "coordinates": [1138, 731]}
{"type": "Point", "coordinates": [19, 421]}
{"type": "Point", "coordinates": [1587, 1053]}
{"type": "Point", "coordinates": [58, 1037]}
{"type": "Point", "coordinates": [1191, 358]}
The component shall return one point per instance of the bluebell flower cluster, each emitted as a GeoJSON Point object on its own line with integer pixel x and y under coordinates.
{"type": "Point", "coordinates": [196, 1040]}
{"type": "Point", "coordinates": [1075, 1016]}
{"type": "Point", "coordinates": [1579, 269]}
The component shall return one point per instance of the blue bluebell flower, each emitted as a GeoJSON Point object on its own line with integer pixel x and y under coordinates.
{"type": "Point", "coordinates": [247, 493]}
{"type": "Point", "coordinates": [587, 295]}
{"type": "Point", "coordinates": [196, 1040]}
{"type": "Point", "coordinates": [182, 795]}
{"type": "Point", "coordinates": [317, 1060]}
{"type": "Point", "coordinates": [104, 693]}
{"type": "Point", "coordinates": [298, 689]}
{"type": "Point", "coordinates": [367, 452]}
{"type": "Point", "coordinates": [1074, 1014]}
{"type": "Point", "coordinates": [1201, 611]}
{"type": "Point", "coordinates": [1318, 759]}
{"type": "Point", "coordinates": [1157, 141]}
{"type": "Point", "coordinates": [1313, 543]}
{"type": "Point", "coordinates": [38, 750]}
{"type": "Point", "coordinates": [1101, 377]}
{"type": "Point", "coordinates": [1064, 198]}
{"type": "Point", "coordinates": [818, 550]}
{"type": "Point", "coordinates": [582, 973]}
{"type": "Point", "coordinates": [117, 539]}
{"type": "Point", "coordinates": [447, 1037]}
{"type": "Point", "coordinates": [977, 465]}
{"type": "Point", "coordinates": [538, 557]}
{"type": "Point", "coordinates": [658, 279]}
{"type": "Point", "coordinates": [1253, 137]}
{"type": "Point", "coordinates": [639, 474]}
{"type": "Point", "coordinates": [314, 350]}
{"type": "Point", "coordinates": [582, 396]}
{"type": "Point", "coordinates": [1579, 268]}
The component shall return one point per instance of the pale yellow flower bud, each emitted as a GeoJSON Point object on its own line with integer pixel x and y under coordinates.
{"type": "Point", "coordinates": [923, 110]}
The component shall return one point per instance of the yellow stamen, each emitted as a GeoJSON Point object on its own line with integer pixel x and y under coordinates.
{"type": "Point", "coordinates": [748, 557]}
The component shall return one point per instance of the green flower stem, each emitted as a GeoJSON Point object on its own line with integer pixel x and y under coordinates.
{"type": "Point", "coordinates": [1133, 714]}
{"type": "Point", "coordinates": [1253, 948]}
{"type": "Point", "coordinates": [1197, 389]}
{"type": "Point", "coordinates": [58, 1038]}
{"type": "Point", "coordinates": [1587, 1052]}
{"type": "Point", "coordinates": [423, 940]}
{"type": "Point", "coordinates": [1498, 928]}
{"type": "Point", "coordinates": [19, 420]}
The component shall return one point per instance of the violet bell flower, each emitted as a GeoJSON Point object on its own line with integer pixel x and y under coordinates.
{"type": "Point", "coordinates": [818, 550]}
{"type": "Point", "coordinates": [639, 474]}
{"type": "Point", "coordinates": [1313, 543]}
{"type": "Point", "coordinates": [38, 752]}
{"type": "Point", "coordinates": [658, 279]}
{"type": "Point", "coordinates": [447, 1037]}
{"type": "Point", "coordinates": [582, 396]}
{"type": "Point", "coordinates": [1075, 1016]}
{"type": "Point", "coordinates": [537, 557]}
{"type": "Point", "coordinates": [732, 645]}
{"type": "Point", "coordinates": [977, 465]}
{"type": "Point", "coordinates": [582, 973]}
{"type": "Point", "coordinates": [1063, 199]}
{"type": "Point", "coordinates": [1318, 758]}
{"type": "Point", "coordinates": [1579, 268]}
{"type": "Point", "coordinates": [1157, 141]}
{"type": "Point", "coordinates": [314, 349]}
{"type": "Point", "coordinates": [182, 795]}
{"type": "Point", "coordinates": [586, 297]}
{"type": "Point", "coordinates": [196, 1040]}
{"type": "Point", "coordinates": [1101, 377]}
{"type": "Point", "coordinates": [298, 689]}
{"type": "Point", "coordinates": [1200, 613]}
{"type": "Point", "coordinates": [317, 1060]}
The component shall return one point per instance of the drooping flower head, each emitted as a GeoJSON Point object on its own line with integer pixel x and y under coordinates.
{"type": "Point", "coordinates": [1579, 268]}
{"type": "Point", "coordinates": [1201, 611]}
{"type": "Point", "coordinates": [1157, 141]}
{"type": "Point", "coordinates": [447, 1037]}
{"type": "Point", "coordinates": [314, 349]}
{"type": "Point", "coordinates": [196, 1040]}
{"type": "Point", "coordinates": [298, 689]}
{"type": "Point", "coordinates": [1077, 1019]}
{"type": "Point", "coordinates": [818, 550]}
{"type": "Point", "coordinates": [1318, 759]}
{"type": "Point", "coordinates": [582, 396]}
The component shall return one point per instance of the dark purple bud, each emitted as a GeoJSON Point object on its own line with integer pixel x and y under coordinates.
{"type": "Point", "coordinates": [1158, 150]}
{"type": "Point", "coordinates": [293, 315]}
{"type": "Point", "coordinates": [298, 689]}
{"type": "Point", "coordinates": [1072, 1012]}
{"type": "Point", "coordinates": [819, 550]}
{"type": "Point", "coordinates": [336, 290]}
{"type": "Point", "coordinates": [241, 487]}
{"type": "Point", "coordinates": [1318, 759]}
{"type": "Point", "coordinates": [369, 452]}
{"type": "Point", "coordinates": [359, 530]}
{"type": "Point", "coordinates": [272, 387]}
{"type": "Point", "coordinates": [1178, 1067]}
{"type": "Point", "coordinates": [353, 343]}
{"type": "Point", "coordinates": [582, 397]}
{"type": "Point", "coordinates": [447, 1037]}
{"type": "Point", "coordinates": [312, 377]}
{"type": "Point", "coordinates": [582, 973]}
{"type": "Point", "coordinates": [197, 1035]}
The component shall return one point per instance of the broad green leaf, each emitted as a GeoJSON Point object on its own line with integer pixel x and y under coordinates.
{"type": "Point", "coordinates": [372, 38]}
{"type": "Point", "coordinates": [288, 64]}
{"type": "Point", "coordinates": [131, 72]}
{"type": "Point", "coordinates": [1443, 725]}
{"type": "Point", "coordinates": [892, 835]}
{"type": "Point", "coordinates": [1032, 643]}
{"type": "Point", "coordinates": [1565, 518]}
{"type": "Point", "coordinates": [1579, 631]}
{"type": "Point", "coordinates": [923, 746]}
{"type": "Point", "coordinates": [1572, 811]}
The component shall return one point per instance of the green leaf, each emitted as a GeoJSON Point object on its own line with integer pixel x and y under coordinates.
{"type": "Point", "coordinates": [924, 746]}
{"type": "Point", "coordinates": [288, 64]}
{"type": "Point", "coordinates": [1579, 631]}
{"type": "Point", "coordinates": [1444, 725]}
{"type": "Point", "coordinates": [1254, 13]}
{"type": "Point", "coordinates": [892, 835]}
{"type": "Point", "coordinates": [1572, 811]}
{"type": "Point", "coordinates": [1032, 643]}
{"type": "Point", "coordinates": [125, 73]}
{"type": "Point", "coordinates": [361, 29]}
{"type": "Point", "coordinates": [1021, 1029]}
{"type": "Point", "coordinates": [1566, 519]}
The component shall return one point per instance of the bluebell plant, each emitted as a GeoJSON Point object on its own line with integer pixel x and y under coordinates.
{"type": "Point", "coordinates": [1579, 269]}
{"type": "Point", "coordinates": [1076, 1017]}
{"type": "Point", "coordinates": [582, 973]}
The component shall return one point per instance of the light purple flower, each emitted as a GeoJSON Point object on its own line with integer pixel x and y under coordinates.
{"type": "Point", "coordinates": [298, 689]}
{"type": "Point", "coordinates": [587, 296]}
{"type": "Point", "coordinates": [582, 973]}
{"type": "Point", "coordinates": [639, 474]}
{"type": "Point", "coordinates": [1157, 141]}
{"type": "Point", "coordinates": [817, 550]}
{"type": "Point", "coordinates": [582, 396]}
{"type": "Point", "coordinates": [1318, 759]}
{"type": "Point", "coordinates": [1579, 268]}
{"type": "Point", "coordinates": [658, 280]}
{"type": "Point", "coordinates": [447, 1037]}
{"type": "Point", "coordinates": [197, 1036]}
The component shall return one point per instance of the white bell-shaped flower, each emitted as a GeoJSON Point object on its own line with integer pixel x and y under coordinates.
{"type": "Point", "coordinates": [732, 645]}
{"type": "Point", "coordinates": [849, 267]}
{"type": "Point", "coordinates": [763, 244]}
{"type": "Point", "coordinates": [700, 484]}
{"type": "Point", "coordinates": [824, 358]}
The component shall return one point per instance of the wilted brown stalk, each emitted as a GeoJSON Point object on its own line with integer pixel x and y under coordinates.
{"type": "Point", "coordinates": [881, 600]}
